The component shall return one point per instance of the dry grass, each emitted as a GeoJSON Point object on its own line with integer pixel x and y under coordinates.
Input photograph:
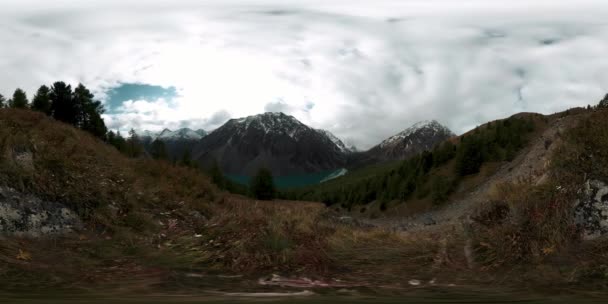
{"type": "Point", "coordinates": [522, 224]}
{"type": "Point", "coordinates": [79, 170]}
{"type": "Point", "coordinates": [270, 236]}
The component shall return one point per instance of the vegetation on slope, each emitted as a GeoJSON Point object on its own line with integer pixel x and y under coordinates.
{"type": "Point", "coordinates": [432, 175]}
{"type": "Point", "coordinates": [144, 220]}
{"type": "Point", "coordinates": [151, 225]}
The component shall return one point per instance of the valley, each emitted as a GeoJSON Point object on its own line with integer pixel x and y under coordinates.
{"type": "Point", "coordinates": [82, 213]}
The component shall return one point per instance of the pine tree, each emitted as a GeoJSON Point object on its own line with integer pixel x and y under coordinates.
{"type": "Point", "coordinates": [186, 160]}
{"type": "Point", "coordinates": [62, 107]}
{"type": "Point", "coordinates": [2, 101]}
{"type": "Point", "coordinates": [469, 157]}
{"type": "Point", "coordinates": [77, 108]}
{"type": "Point", "coordinates": [441, 187]}
{"type": "Point", "coordinates": [217, 177]}
{"type": "Point", "coordinates": [91, 120]}
{"type": "Point", "coordinates": [603, 103]}
{"type": "Point", "coordinates": [134, 147]}
{"type": "Point", "coordinates": [119, 142]}
{"type": "Point", "coordinates": [19, 100]}
{"type": "Point", "coordinates": [42, 100]}
{"type": "Point", "coordinates": [159, 150]}
{"type": "Point", "coordinates": [262, 185]}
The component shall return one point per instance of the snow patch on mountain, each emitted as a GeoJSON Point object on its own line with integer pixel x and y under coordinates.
{"type": "Point", "coordinates": [277, 122]}
{"type": "Point", "coordinates": [431, 125]}
{"type": "Point", "coordinates": [335, 140]}
{"type": "Point", "coordinates": [271, 123]}
{"type": "Point", "coordinates": [180, 134]}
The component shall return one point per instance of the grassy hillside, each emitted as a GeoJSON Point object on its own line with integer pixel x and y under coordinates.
{"type": "Point", "coordinates": [150, 226]}
{"type": "Point", "coordinates": [431, 176]}
{"type": "Point", "coordinates": [147, 223]}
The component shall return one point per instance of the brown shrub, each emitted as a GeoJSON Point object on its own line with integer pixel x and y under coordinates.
{"type": "Point", "coordinates": [522, 224]}
{"type": "Point", "coordinates": [269, 236]}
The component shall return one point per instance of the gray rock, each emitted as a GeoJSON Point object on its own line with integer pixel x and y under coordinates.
{"type": "Point", "coordinates": [26, 215]}
{"type": "Point", "coordinates": [24, 159]}
{"type": "Point", "coordinates": [428, 221]}
{"type": "Point", "coordinates": [591, 211]}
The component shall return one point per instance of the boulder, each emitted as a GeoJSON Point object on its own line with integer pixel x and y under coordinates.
{"type": "Point", "coordinates": [26, 215]}
{"type": "Point", "coordinates": [591, 210]}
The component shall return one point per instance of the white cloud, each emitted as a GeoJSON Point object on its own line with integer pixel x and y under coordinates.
{"type": "Point", "coordinates": [370, 69]}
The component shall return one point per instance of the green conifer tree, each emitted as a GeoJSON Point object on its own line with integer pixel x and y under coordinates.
{"type": "Point", "coordinates": [262, 185]}
{"type": "Point", "coordinates": [19, 100]}
{"type": "Point", "coordinates": [42, 100]}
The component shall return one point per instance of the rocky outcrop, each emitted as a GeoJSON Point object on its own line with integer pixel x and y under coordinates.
{"type": "Point", "coordinates": [26, 215]}
{"type": "Point", "coordinates": [591, 210]}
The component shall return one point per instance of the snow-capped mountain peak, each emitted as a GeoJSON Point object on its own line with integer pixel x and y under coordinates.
{"type": "Point", "coordinates": [270, 123]}
{"type": "Point", "coordinates": [433, 126]}
{"type": "Point", "coordinates": [183, 133]}
{"type": "Point", "coordinates": [276, 141]}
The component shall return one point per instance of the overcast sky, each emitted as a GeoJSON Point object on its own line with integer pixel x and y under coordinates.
{"type": "Point", "coordinates": [362, 69]}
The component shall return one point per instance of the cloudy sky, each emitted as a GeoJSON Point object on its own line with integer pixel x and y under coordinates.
{"type": "Point", "coordinates": [361, 69]}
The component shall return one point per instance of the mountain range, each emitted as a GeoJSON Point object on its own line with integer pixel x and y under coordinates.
{"type": "Point", "coordinates": [287, 147]}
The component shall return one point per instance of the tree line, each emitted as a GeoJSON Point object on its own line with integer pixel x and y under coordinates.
{"type": "Point", "coordinates": [77, 106]}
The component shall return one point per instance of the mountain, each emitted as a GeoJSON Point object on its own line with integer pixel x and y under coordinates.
{"type": "Point", "coordinates": [177, 142]}
{"type": "Point", "coordinates": [181, 134]}
{"type": "Point", "coordinates": [276, 141]}
{"type": "Point", "coordinates": [422, 136]}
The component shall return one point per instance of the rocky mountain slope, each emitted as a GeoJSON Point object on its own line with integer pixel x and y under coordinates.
{"type": "Point", "coordinates": [532, 165]}
{"type": "Point", "coordinates": [338, 142]}
{"type": "Point", "coordinates": [421, 136]}
{"type": "Point", "coordinates": [273, 140]}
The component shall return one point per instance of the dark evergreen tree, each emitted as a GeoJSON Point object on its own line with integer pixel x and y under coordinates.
{"type": "Point", "coordinates": [469, 157]}
{"type": "Point", "coordinates": [134, 148]}
{"type": "Point", "coordinates": [111, 137]}
{"type": "Point", "coordinates": [159, 150]}
{"type": "Point", "coordinates": [19, 100]}
{"type": "Point", "coordinates": [91, 119]}
{"type": "Point", "coordinates": [77, 108]}
{"type": "Point", "coordinates": [2, 101]}
{"type": "Point", "coordinates": [62, 107]}
{"type": "Point", "coordinates": [262, 185]}
{"type": "Point", "coordinates": [88, 112]}
{"type": "Point", "coordinates": [441, 187]}
{"type": "Point", "coordinates": [443, 153]}
{"type": "Point", "coordinates": [42, 100]}
{"type": "Point", "coordinates": [217, 177]}
{"type": "Point", "coordinates": [603, 103]}
{"type": "Point", "coordinates": [118, 141]}
{"type": "Point", "coordinates": [187, 160]}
